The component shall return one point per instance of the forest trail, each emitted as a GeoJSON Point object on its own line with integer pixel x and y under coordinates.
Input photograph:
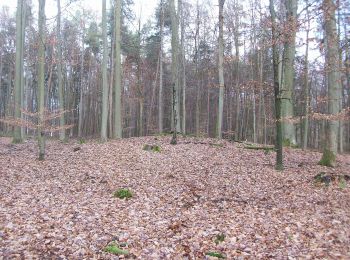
{"type": "Point", "coordinates": [183, 197]}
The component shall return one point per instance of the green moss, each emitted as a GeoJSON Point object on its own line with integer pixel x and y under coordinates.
{"type": "Point", "coordinates": [342, 182]}
{"type": "Point", "coordinates": [288, 143]}
{"type": "Point", "coordinates": [153, 148]}
{"type": "Point", "coordinates": [216, 254]}
{"type": "Point", "coordinates": [328, 158]}
{"type": "Point", "coordinates": [123, 194]}
{"type": "Point", "coordinates": [17, 141]}
{"type": "Point", "coordinates": [114, 249]}
{"type": "Point", "coordinates": [219, 238]}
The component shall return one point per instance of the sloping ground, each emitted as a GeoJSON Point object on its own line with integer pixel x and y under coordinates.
{"type": "Point", "coordinates": [184, 197]}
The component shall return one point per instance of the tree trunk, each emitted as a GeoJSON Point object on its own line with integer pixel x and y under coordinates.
{"type": "Point", "coordinates": [174, 70]}
{"type": "Point", "coordinates": [17, 138]}
{"type": "Point", "coordinates": [221, 69]}
{"type": "Point", "coordinates": [183, 67]}
{"type": "Point", "coordinates": [334, 85]}
{"type": "Point", "coordinates": [160, 97]}
{"type": "Point", "coordinates": [104, 75]}
{"type": "Point", "coordinates": [306, 82]}
{"type": "Point", "coordinates": [81, 100]}
{"type": "Point", "coordinates": [288, 73]}
{"type": "Point", "coordinates": [278, 142]}
{"type": "Point", "coordinates": [59, 73]}
{"type": "Point", "coordinates": [41, 80]}
{"type": "Point", "coordinates": [118, 73]}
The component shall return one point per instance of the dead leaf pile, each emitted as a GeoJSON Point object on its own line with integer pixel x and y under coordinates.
{"type": "Point", "coordinates": [183, 197]}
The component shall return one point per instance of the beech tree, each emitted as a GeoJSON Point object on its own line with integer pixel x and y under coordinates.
{"type": "Point", "coordinates": [17, 136]}
{"type": "Point", "coordinates": [220, 68]}
{"type": "Point", "coordinates": [287, 87]}
{"type": "Point", "coordinates": [41, 79]}
{"type": "Point", "coordinates": [334, 87]}
{"type": "Point", "coordinates": [59, 73]}
{"type": "Point", "coordinates": [118, 127]}
{"type": "Point", "coordinates": [223, 79]}
{"type": "Point", "coordinates": [104, 75]}
{"type": "Point", "coordinates": [276, 86]}
{"type": "Point", "coordinates": [174, 70]}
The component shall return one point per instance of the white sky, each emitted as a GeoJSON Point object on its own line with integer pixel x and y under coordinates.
{"type": "Point", "coordinates": [145, 7]}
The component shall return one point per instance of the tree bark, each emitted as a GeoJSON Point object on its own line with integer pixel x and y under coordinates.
{"type": "Point", "coordinates": [104, 75]}
{"type": "Point", "coordinates": [160, 97]}
{"type": "Point", "coordinates": [334, 85]}
{"type": "Point", "coordinates": [41, 80]}
{"type": "Point", "coordinates": [174, 70]}
{"type": "Point", "coordinates": [118, 73]}
{"type": "Point", "coordinates": [275, 58]}
{"type": "Point", "coordinates": [59, 73]}
{"type": "Point", "coordinates": [306, 82]}
{"type": "Point", "coordinates": [17, 138]}
{"type": "Point", "coordinates": [288, 73]}
{"type": "Point", "coordinates": [221, 69]}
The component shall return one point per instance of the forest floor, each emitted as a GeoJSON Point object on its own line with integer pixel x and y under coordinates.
{"type": "Point", "coordinates": [188, 200]}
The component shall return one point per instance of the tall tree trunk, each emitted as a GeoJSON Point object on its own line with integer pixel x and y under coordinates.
{"type": "Point", "coordinates": [41, 80]}
{"type": "Point", "coordinates": [118, 73]}
{"type": "Point", "coordinates": [183, 66]}
{"type": "Point", "coordinates": [278, 142]}
{"type": "Point", "coordinates": [174, 69]}
{"type": "Point", "coordinates": [306, 82]}
{"type": "Point", "coordinates": [288, 73]}
{"type": "Point", "coordinates": [198, 89]}
{"type": "Point", "coordinates": [81, 100]}
{"type": "Point", "coordinates": [59, 72]}
{"type": "Point", "coordinates": [23, 86]}
{"type": "Point", "coordinates": [17, 138]}
{"type": "Point", "coordinates": [160, 97]}
{"type": "Point", "coordinates": [221, 69]}
{"type": "Point", "coordinates": [104, 75]}
{"type": "Point", "coordinates": [334, 85]}
{"type": "Point", "coordinates": [236, 40]}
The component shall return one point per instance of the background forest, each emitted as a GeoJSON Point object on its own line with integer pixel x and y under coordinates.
{"type": "Point", "coordinates": [113, 77]}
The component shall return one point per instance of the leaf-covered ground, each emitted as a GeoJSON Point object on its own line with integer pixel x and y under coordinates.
{"type": "Point", "coordinates": [188, 200]}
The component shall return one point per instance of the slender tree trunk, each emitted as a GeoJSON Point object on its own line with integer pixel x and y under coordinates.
{"type": "Point", "coordinates": [341, 130]}
{"type": "Point", "coordinates": [334, 86]}
{"type": "Point", "coordinates": [288, 73]}
{"type": "Point", "coordinates": [41, 80]}
{"type": "Point", "coordinates": [278, 142]}
{"type": "Point", "coordinates": [59, 73]}
{"type": "Point", "coordinates": [174, 70]}
{"type": "Point", "coordinates": [236, 39]}
{"type": "Point", "coordinates": [81, 100]}
{"type": "Point", "coordinates": [306, 82]}
{"type": "Point", "coordinates": [198, 89]}
{"type": "Point", "coordinates": [118, 73]}
{"type": "Point", "coordinates": [183, 67]}
{"type": "Point", "coordinates": [221, 69]}
{"type": "Point", "coordinates": [160, 97]}
{"type": "Point", "coordinates": [104, 75]}
{"type": "Point", "coordinates": [23, 86]}
{"type": "Point", "coordinates": [17, 138]}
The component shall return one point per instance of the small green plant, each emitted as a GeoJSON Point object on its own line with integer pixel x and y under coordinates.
{"type": "Point", "coordinates": [123, 194]}
{"type": "Point", "coordinates": [328, 158]}
{"type": "Point", "coordinates": [82, 141]}
{"type": "Point", "coordinates": [288, 143]}
{"type": "Point", "coordinates": [216, 254]}
{"type": "Point", "coordinates": [114, 249]}
{"type": "Point", "coordinates": [342, 183]}
{"type": "Point", "coordinates": [219, 238]}
{"type": "Point", "coordinates": [153, 148]}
